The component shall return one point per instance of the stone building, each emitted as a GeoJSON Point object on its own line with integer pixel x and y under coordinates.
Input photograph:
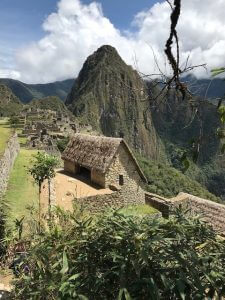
{"type": "Point", "coordinates": [107, 162]}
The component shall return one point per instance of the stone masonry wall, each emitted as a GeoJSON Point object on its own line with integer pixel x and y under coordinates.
{"type": "Point", "coordinates": [69, 167]}
{"type": "Point", "coordinates": [102, 202]}
{"type": "Point", "coordinates": [7, 161]}
{"type": "Point", "coordinates": [131, 191]}
{"type": "Point", "coordinates": [159, 203]}
{"type": "Point", "coordinates": [212, 212]}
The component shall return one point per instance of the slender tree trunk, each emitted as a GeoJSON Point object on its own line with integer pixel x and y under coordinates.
{"type": "Point", "coordinates": [49, 197]}
{"type": "Point", "coordinates": [39, 213]}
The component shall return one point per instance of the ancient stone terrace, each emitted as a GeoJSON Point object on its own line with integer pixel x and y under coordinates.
{"type": "Point", "coordinates": [212, 212]}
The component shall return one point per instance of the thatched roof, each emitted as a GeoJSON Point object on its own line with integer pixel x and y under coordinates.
{"type": "Point", "coordinates": [95, 152]}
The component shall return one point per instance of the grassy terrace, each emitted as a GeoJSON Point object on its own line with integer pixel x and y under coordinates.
{"type": "Point", "coordinates": [22, 192]}
{"type": "Point", "coordinates": [138, 210]}
{"type": "Point", "coordinates": [5, 133]}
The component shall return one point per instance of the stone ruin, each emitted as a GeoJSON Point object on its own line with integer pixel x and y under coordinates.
{"type": "Point", "coordinates": [43, 128]}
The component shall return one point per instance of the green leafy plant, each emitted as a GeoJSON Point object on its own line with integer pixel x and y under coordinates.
{"type": "Point", "coordinates": [43, 168]}
{"type": "Point", "coordinates": [124, 257]}
{"type": "Point", "coordinates": [62, 143]}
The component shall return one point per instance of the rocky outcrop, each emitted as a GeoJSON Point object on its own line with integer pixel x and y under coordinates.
{"type": "Point", "coordinates": [112, 97]}
{"type": "Point", "coordinates": [7, 161]}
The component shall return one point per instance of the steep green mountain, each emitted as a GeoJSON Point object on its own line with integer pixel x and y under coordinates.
{"type": "Point", "coordinates": [181, 128]}
{"type": "Point", "coordinates": [9, 103]}
{"type": "Point", "coordinates": [111, 96]}
{"type": "Point", "coordinates": [167, 181]}
{"type": "Point", "coordinates": [27, 92]}
{"type": "Point", "coordinates": [51, 102]}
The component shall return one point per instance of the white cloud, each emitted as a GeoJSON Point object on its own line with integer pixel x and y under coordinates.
{"type": "Point", "coordinates": [76, 30]}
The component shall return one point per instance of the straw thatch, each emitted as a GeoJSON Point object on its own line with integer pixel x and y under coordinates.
{"type": "Point", "coordinates": [95, 152]}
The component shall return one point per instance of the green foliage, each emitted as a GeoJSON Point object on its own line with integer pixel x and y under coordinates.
{"type": "Point", "coordinates": [62, 143]}
{"type": "Point", "coordinates": [138, 210]}
{"type": "Point", "coordinates": [21, 190]}
{"type": "Point", "coordinates": [52, 103]}
{"type": "Point", "coordinates": [27, 92]}
{"type": "Point", "coordinates": [124, 257]}
{"type": "Point", "coordinates": [217, 71]}
{"type": "Point", "coordinates": [14, 121]}
{"type": "Point", "coordinates": [168, 182]}
{"type": "Point", "coordinates": [43, 167]}
{"type": "Point", "coordinates": [5, 133]}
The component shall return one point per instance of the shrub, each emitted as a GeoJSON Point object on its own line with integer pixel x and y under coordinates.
{"type": "Point", "coordinates": [124, 257]}
{"type": "Point", "coordinates": [61, 144]}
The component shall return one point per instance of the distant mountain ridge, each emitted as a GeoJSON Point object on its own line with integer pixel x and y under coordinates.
{"type": "Point", "coordinates": [208, 88]}
{"type": "Point", "coordinates": [27, 92]}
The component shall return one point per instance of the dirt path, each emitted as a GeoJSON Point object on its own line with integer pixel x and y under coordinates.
{"type": "Point", "coordinates": [68, 188]}
{"type": "Point", "coordinates": [5, 281]}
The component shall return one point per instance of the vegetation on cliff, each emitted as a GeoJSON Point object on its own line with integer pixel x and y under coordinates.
{"type": "Point", "coordinates": [9, 103]}
{"type": "Point", "coordinates": [167, 181]}
{"type": "Point", "coordinates": [51, 103]}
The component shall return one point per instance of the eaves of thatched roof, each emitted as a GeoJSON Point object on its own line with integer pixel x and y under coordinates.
{"type": "Point", "coordinates": [96, 152]}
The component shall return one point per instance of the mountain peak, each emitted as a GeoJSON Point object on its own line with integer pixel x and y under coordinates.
{"type": "Point", "coordinates": [105, 55]}
{"type": "Point", "coordinates": [107, 49]}
{"type": "Point", "coordinates": [108, 95]}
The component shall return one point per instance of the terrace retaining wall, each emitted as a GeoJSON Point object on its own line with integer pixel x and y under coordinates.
{"type": "Point", "coordinates": [7, 161]}
{"type": "Point", "coordinates": [212, 212]}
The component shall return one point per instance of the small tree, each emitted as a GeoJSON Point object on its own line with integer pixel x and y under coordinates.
{"type": "Point", "coordinates": [43, 168]}
{"type": "Point", "coordinates": [14, 121]}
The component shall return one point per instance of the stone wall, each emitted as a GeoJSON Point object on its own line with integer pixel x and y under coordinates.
{"type": "Point", "coordinates": [212, 212]}
{"type": "Point", "coordinates": [7, 161]}
{"type": "Point", "coordinates": [159, 203]}
{"type": "Point", "coordinates": [102, 202]}
{"type": "Point", "coordinates": [69, 167]}
{"type": "Point", "coordinates": [132, 188]}
{"type": "Point", "coordinates": [98, 178]}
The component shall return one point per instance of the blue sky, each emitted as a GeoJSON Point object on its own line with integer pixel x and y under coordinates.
{"type": "Point", "coordinates": [21, 20]}
{"type": "Point", "coordinates": [38, 47]}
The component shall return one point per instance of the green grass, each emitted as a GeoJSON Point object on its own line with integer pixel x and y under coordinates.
{"type": "Point", "coordinates": [138, 210]}
{"type": "Point", "coordinates": [5, 133]}
{"type": "Point", "coordinates": [22, 141]}
{"type": "Point", "coordinates": [22, 191]}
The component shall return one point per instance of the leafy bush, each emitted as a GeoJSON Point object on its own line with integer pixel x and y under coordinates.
{"type": "Point", "coordinates": [124, 257]}
{"type": "Point", "coordinates": [62, 143]}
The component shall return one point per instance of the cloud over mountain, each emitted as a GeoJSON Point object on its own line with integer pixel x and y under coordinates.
{"type": "Point", "coordinates": [76, 30]}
